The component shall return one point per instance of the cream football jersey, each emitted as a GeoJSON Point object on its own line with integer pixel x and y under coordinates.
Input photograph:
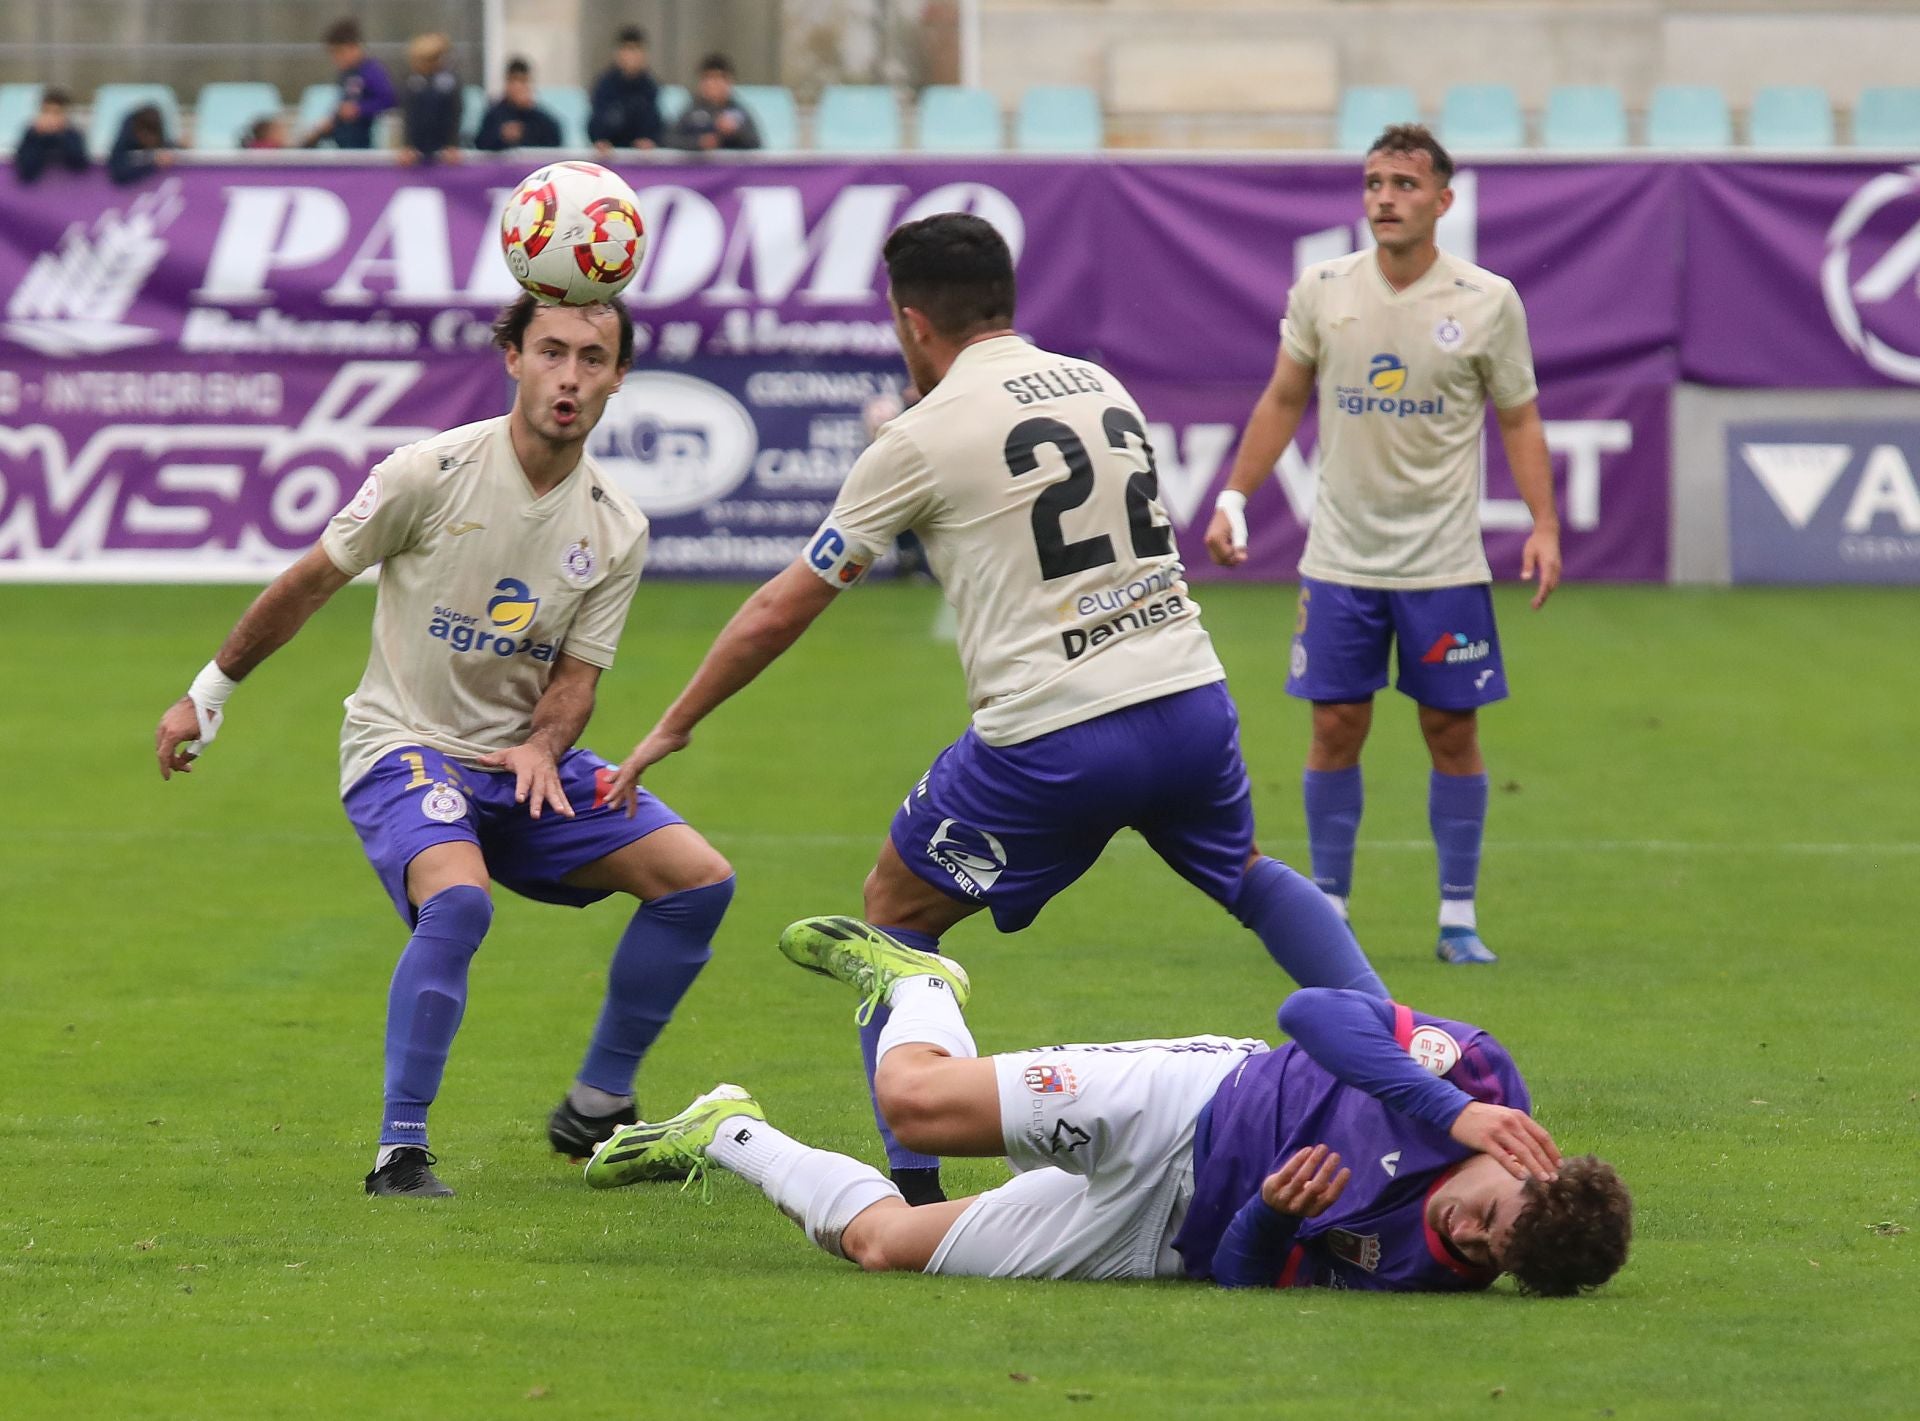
{"type": "Point", "coordinates": [482, 587]}
{"type": "Point", "coordinates": [1404, 379]}
{"type": "Point", "coordinates": [1029, 479]}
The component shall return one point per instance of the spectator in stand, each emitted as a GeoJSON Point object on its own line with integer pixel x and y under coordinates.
{"type": "Point", "coordinates": [514, 120]}
{"type": "Point", "coordinates": [365, 90]}
{"type": "Point", "coordinates": [268, 132]}
{"type": "Point", "coordinates": [142, 148]}
{"type": "Point", "coordinates": [51, 140]}
{"type": "Point", "coordinates": [432, 105]}
{"type": "Point", "coordinates": [715, 118]}
{"type": "Point", "coordinates": [626, 99]}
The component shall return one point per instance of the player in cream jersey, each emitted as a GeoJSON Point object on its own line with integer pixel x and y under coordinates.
{"type": "Point", "coordinates": [1098, 703]}
{"type": "Point", "coordinates": [507, 564]}
{"type": "Point", "coordinates": [1407, 346]}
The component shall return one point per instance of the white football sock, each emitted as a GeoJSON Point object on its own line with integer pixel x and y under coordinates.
{"type": "Point", "coordinates": [1457, 913]}
{"type": "Point", "coordinates": [387, 1152]}
{"type": "Point", "coordinates": [821, 1191]}
{"type": "Point", "coordinates": [925, 1013]}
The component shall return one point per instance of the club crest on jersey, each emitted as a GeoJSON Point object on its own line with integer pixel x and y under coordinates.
{"type": "Point", "coordinates": [1433, 1049]}
{"type": "Point", "coordinates": [577, 562]}
{"type": "Point", "coordinates": [365, 501]}
{"type": "Point", "coordinates": [1049, 1079]}
{"type": "Point", "coordinates": [972, 858]}
{"type": "Point", "coordinates": [1448, 334]}
{"type": "Point", "coordinates": [1361, 1250]}
{"type": "Point", "coordinates": [1388, 374]}
{"type": "Point", "coordinates": [443, 803]}
{"type": "Point", "coordinates": [513, 610]}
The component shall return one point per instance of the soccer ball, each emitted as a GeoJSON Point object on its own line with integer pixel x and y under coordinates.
{"type": "Point", "coordinates": [571, 234]}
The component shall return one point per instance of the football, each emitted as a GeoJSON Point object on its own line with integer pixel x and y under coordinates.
{"type": "Point", "coordinates": [571, 234]}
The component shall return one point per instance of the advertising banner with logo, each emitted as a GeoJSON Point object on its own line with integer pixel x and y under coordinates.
{"type": "Point", "coordinates": [191, 371]}
{"type": "Point", "coordinates": [1824, 501]}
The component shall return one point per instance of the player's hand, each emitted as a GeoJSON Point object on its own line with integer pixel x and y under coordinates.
{"type": "Point", "coordinates": [1541, 554]}
{"type": "Point", "coordinates": [179, 726]}
{"type": "Point", "coordinates": [623, 788]}
{"type": "Point", "coordinates": [1307, 1184]}
{"type": "Point", "coordinates": [536, 779]}
{"type": "Point", "coordinates": [1221, 546]}
{"type": "Point", "coordinates": [1521, 1143]}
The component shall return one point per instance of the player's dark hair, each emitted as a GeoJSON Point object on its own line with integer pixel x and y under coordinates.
{"type": "Point", "coordinates": [717, 63]}
{"type": "Point", "coordinates": [145, 128]}
{"type": "Point", "coordinates": [955, 269]}
{"type": "Point", "coordinates": [510, 326]}
{"type": "Point", "coordinates": [631, 34]}
{"type": "Point", "coordinates": [519, 69]}
{"type": "Point", "coordinates": [1410, 138]}
{"type": "Point", "coordinates": [342, 32]}
{"type": "Point", "coordinates": [1572, 1233]}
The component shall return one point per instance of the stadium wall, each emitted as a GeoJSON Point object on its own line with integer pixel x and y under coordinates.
{"type": "Point", "coordinates": [195, 374]}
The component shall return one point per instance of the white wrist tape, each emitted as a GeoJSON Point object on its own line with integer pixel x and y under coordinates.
{"type": "Point", "coordinates": [1234, 505]}
{"type": "Point", "coordinates": [209, 693]}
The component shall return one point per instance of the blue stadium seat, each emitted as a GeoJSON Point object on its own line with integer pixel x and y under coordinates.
{"type": "Point", "coordinates": [1366, 109]}
{"type": "Point", "coordinates": [1790, 116]}
{"type": "Point", "coordinates": [956, 119]}
{"type": "Point", "coordinates": [1482, 116]}
{"type": "Point", "coordinates": [1689, 116]}
{"type": "Point", "coordinates": [113, 102]}
{"type": "Point", "coordinates": [317, 103]}
{"type": "Point", "coordinates": [1059, 118]}
{"type": "Point", "coordinates": [774, 114]}
{"type": "Point", "coordinates": [1887, 116]}
{"type": "Point", "coordinates": [19, 106]}
{"type": "Point", "coordinates": [674, 99]}
{"type": "Point", "coordinates": [224, 112]}
{"type": "Point", "coordinates": [1586, 116]}
{"type": "Point", "coordinates": [857, 118]}
{"type": "Point", "coordinates": [569, 104]}
{"type": "Point", "coordinates": [473, 112]}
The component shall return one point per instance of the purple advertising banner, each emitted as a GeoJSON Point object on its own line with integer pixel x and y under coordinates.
{"type": "Point", "coordinates": [192, 371]}
{"type": "Point", "coordinates": [1824, 501]}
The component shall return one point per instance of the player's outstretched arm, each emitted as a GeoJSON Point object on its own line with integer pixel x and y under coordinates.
{"type": "Point", "coordinates": [1525, 439]}
{"type": "Point", "coordinates": [768, 622]}
{"type": "Point", "coordinates": [559, 716]}
{"type": "Point", "coordinates": [1270, 428]}
{"type": "Point", "coordinates": [269, 624]}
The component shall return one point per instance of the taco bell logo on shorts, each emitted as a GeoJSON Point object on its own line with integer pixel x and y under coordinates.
{"type": "Point", "coordinates": [1870, 276]}
{"type": "Point", "coordinates": [973, 858]}
{"type": "Point", "coordinates": [1454, 649]}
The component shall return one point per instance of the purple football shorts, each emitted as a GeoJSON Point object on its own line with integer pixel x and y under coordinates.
{"type": "Point", "coordinates": [1009, 826]}
{"type": "Point", "coordinates": [415, 797]}
{"type": "Point", "coordinates": [1449, 649]}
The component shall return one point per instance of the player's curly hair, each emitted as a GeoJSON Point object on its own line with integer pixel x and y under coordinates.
{"type": "Point", "coordinates": [1573, 1232]}
{"type": "Point", "coordinates": [1410, 138]}
{"type": "Point", "coordinates": [510, 326]}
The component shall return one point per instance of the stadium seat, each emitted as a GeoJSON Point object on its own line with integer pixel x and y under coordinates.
{"type": "Point", "coordinates": [1059, 118]}
{"type": "Point", "coordinates": [956, 119]}
{"type": "Point", "coordinates": [570, 105]}
{"type": "Point", "coordinates": [1689, 116]}
{"type": "Point", "coordinates": [1586, 116]}
{"type": "Point", "coordinates": [674, 99]}
{"type": "Point", "coordinates": [1790, 116]}
{"type": "Point", "coordinates": [224, 112]}
{"type": "Point", "coordinates": [774, 114]}
{"type": "Point", "coordinates": [1887, 116]}
{"type": "Point", "coordinates": [317, 103]}
{"type": "Point", "coordinates": [113, 102]}
{"type": "Point", "coordinates": [473, 112]}
{"type": "Point", "coordinates": [1366, 109]}
{"type": "Point", "coordinates": [857, 118]}
{"type": "Point", "coordinates": [19, 106]}
{"type": "Point", "coordinates": [1482, 116]}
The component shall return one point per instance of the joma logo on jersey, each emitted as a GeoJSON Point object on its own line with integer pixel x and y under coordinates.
{"type": "Point", "coordinates": [511, 610]}
{"type": "Point", "coordinates": [1453, 649]}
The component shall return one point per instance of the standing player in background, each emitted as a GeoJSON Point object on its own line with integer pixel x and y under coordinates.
{"type": "Point", "coordinates": [507, 564]}
{"type": "Point", "coordinates": [1407, 344]}
{"type": "Point", "coordinates": [1098, 703]}
{"type": "Point", "coordinates": [1206, 1157]}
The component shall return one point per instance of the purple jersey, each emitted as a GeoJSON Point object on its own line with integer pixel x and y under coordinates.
{"type": "Point", "coordinates": [1376, 1236]}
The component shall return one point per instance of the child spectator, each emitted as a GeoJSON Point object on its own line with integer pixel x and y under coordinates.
{"type": "Point", "coordinates": [365, 90]}
{"type": "Point", "coordinates": [51, 140]}
{"type": "Point", "coordinates": [142, 147]}
{"type": "Point", "coordinates": [715, 118]}
{"type": "Point", "coordinates": [432, 103]}
{"type": "Point", "coordinates": [268, 132]}
{"type": "Point", "coordinates": [514, 120]}
{"type": "Point", "coordinates": [626, 99]}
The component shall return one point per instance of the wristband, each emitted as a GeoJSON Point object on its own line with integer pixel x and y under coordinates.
{"type": "Point", "coordinates": [209, 693]}
{"type": "Point", "coordinates": [1234, 504]}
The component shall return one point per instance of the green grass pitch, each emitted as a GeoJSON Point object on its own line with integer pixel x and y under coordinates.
{"type": "Point", "coordinates": [1701, 873]}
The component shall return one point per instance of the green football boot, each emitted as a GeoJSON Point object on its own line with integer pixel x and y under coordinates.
{"type": "Point", "coordinates": [670, 1149]}
{"type": "Point", "coordinates": [866, 959]}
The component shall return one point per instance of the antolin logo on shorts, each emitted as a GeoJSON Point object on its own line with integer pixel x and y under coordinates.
{"type": "Point", "coordinates": [509, 612]}
{"type": "Point", "coordinates": [1386, 379]}
{"type": "Point", "coordinates": [1453, 649]}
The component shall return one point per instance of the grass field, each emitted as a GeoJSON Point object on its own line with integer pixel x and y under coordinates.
{"type": "Point", "coordinates": [1701, 873]}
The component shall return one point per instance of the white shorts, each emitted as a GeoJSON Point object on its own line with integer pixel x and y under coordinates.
{"type": "Point", "coordinates": [1102, 1138]}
